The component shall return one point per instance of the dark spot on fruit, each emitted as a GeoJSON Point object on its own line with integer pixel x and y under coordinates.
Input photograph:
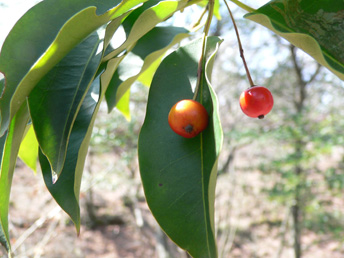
{"type": "Point", "coordinates": [188, 128]}
{"type": "Point", "coordinates": [261, 116]}
{"type": "Point", "coordinates": [160, 184]}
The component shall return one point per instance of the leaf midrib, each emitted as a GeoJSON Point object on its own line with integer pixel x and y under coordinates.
{"type": "Point", "coordinates": [203, 80]}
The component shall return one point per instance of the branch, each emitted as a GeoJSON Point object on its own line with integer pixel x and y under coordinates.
{"type": "Point", "coordinates": [297, 68]}
{"type": "Point", "coordinates": [36, 225]}
{"type": "Point", "coordinates": [316, 72]}
{"type": "Point", "coordinates": [301, 82]}
{"type": "Point", "coordinates": [200, 18]}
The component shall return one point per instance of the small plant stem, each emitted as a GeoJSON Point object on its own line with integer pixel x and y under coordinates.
{"type": "Point", "coordinates": [210, 17]}
{"type": "Point", "coordinates": [240, 47]}
{"type": "Point", "coordinates": [205, 34]}
{"type": "Point", "coordinates": [200, 18]}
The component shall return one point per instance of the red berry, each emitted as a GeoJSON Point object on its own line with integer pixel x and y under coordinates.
{"type": "Point", "coordinates": [188, 118]}
{"type": "Point", "coordinates": [256, 101]}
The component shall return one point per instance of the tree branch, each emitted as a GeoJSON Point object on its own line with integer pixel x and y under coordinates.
{"type": "Point", "coordinates": [316, 72]}
{"type": "Point", "coordinates": [301, 82]}
{"type": "Point", "coordinates": [297, 68]}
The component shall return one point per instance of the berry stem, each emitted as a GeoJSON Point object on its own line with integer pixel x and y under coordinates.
{"type": "Point", "coordinates": [205, 34]}
{"type": "Point", "coordinates": [240, 46]}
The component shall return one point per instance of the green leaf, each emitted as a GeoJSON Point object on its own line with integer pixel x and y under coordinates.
{"type": "Point", "coordinates": [55, 101]}
{"type": "Point", "coordinates": [3, 240]}
{"type": "Point", "coordinates": [127, 73]}
{"type": "Point", "coordinates": [42, 37]}
{"type": "Point", "coordinates": [28, 151]}
{"type": "Point", "coordinates": [123, 105]}
{"type": "Point", "coordinates": [165, 38]}
{"type": "Point", "coordinates": [139, 23]}
{"type": "Point", "coordinates": [9, 147]}
{"type": "Point", "coordinates": [179, 174]}
{"type": "Point", "coordinates": [314, 26]}
{"type": "Point", "coordinates": [147, 21]}
{"type": "Point", "coordinates": [130, 21]}
{"type": "Point", "coordinates": [2, 85]}
{"type": "Point", "coordinates": [66, 189]}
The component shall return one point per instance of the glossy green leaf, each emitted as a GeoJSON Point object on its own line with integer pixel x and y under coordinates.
{"type": "Point", "coordinates": [3, 239]}
{"type": "Point", "coordinates": [128, 72]}
{"type": "Point", "coordinates": [139, 23]}
{"type": "Point", "coordinates": [179, 174]}
{"type": "Point", "coordinates": [130, 21]}
{"type": "Point", "coordinates": [28, 151]}
{"type": "Point", "coordinates": [55, 101]}
{"type": "Point", "coordinates": [146, 22]}
{"type": "Point", "coordinates": [42, 37]}
{"type": "Point", "coordinates": [66, 189]}
{"type": "Point", "coordinates": [314, 26]}
{"type": "Point", "coordinates": [123, 105]}
{"type": "Point", "coordinates": [10, 143]}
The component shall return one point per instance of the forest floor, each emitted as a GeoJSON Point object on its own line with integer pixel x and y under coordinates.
{"type": "Point", "coordinates": [116, 221]}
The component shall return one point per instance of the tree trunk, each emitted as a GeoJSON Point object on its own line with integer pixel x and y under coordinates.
{"type": "Point", "coordinates": [296, 207]}
{"type": "Point", "coordinates": [297, 225]}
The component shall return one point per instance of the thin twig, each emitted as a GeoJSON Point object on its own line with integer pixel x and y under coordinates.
{"type": "Point", "coordinates": [38, 250]}
{"type": "Point", "coordinates": [240, 46]}
{"type": "Point", "coordinates": [316, 72]}
{"type": "Point", "coordinates": [38, 223]}
{"type": "Point", "coordinates": [200, 18]}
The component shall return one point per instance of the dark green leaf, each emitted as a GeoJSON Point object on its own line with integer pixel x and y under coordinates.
{"type": "Point", "coordinates": [66, 189]}
{"type": "Point", "coordinates": [55, 101]}
{"type": "Point", "coordinates": [156, 39]}
{"type": "Point", "coordinates": [139, 23]}
{"type": "Point", "coordinates": [2, 85]}
{"type": "Point", "coordinates": [42, 37]}
{"type": "Point", "coordinates": [130, 21]}
{"type": "Point", "coordinates": [9, 146]}
{"type": "Point", "coordinates": [130, 69]}
{"type": "Point", "coordinates": [314, 26]}
{"type": "Point", "coordinates": [146, 22]}
{"type": "Point", "coordinates": [179, 174]}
